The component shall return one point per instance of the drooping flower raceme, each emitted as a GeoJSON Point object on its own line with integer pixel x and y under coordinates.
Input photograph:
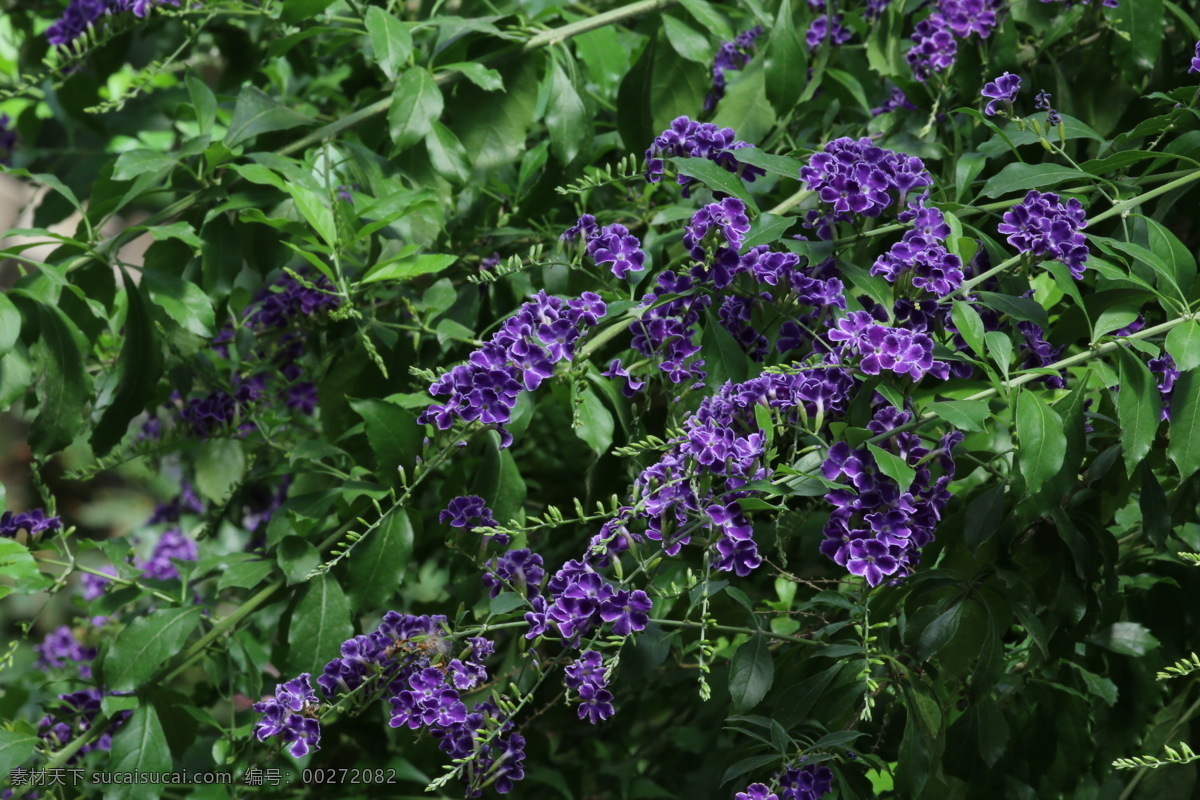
{"type": "Point", "coordinates": [921, 252]}
{"type": "Point", "coordinates": [1167, 373]}
{"type": "Point", "coordinates": [1002, 91]}
{"type": "Point", "coordinates": [518, 357]}
{"type": "Point", "coordinates": [687, 138]}
{"type": "Point", "coordinates": [60, 648]}
{"type": "Point", "coordinates": [612, 244]}
{"type": "Point", "coordinates": [171, 545]}
{"type": "Point", "coordinates": [1042, 103]}
{"type": "Point", "coordinates": [80, 15]}
{"type": "Point", "coordinates": [935, 39]}
{"type": "Point", "coordinates": [730, 55]}
{"type": "Point", "coordinates": [1045, 227]}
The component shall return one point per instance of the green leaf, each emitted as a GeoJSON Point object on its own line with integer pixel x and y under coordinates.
{"type": "Point", "coordinates": [393, 434]}
{"type": "Point", "coordinates": [964, 415]}
{"type": "Point", "coordinates": [687, 41]}
{"type": "Point", "coordinates": [244, 573]}
{"type": "Point", "coordinates": [969, 324]}
{"type": "Point", "coordinates": [785, 62]}
{"type": "Point", "coordinates": [390, 39]}
{"type": "Point", "coordinates": [893, 466]}
{"type": "Point", "coordinates": [797, 701]}
{"type": "Point", "coordinates": [133, 163]}
{"type": "Point", "coordinates": [1043, 444]}
{"type": "Point", "coordinates": [937, 634]}
{"type": "Point", "coordinates": [295, 12]}
{"type": "Point", "coordinates": [723, 356]}
{"type": "Point", "coordinates": [567, 117]}
{"type": "Point", "coordinates": [595, 423]}
{"type": "Point", "coordinates": [63, 386]}
{"type": "Point", "coordinates": [319, 215]}
{"type": "Point", "coordinates": [377, 564]}
{"type": "Point", "coordinates": [297, 558]}
{"type": "Point", "coordinates": [1183, 343]}
{"type": "Point", "coordinates": [1138, 409]}
{"type": "Point", "coordinates": [10, 324]}
{"type": "Point", "coordinates": [320, 623]}
{"type": "Point", "coordinates": [751, 673]}
{"type": "Point", "coordinates": [708, 17]}
{"type": "Point", "coordinates": [1140, 255]}
{"type": "Point", "coordinates": [15, 749]}
{"type": "Point", "coordinates": [492, 129]}
{"type": "Point", "coordinates": [715, 177]}
{"type": "Point", "coordinates": [182, 301]}
{"type": "Point", "coordinates": [1126, 638]}
{"type": "Point", "coordinates": [1174, 253]}
{"type": "Point", "coordinates": [18, 565]}
{"type": "Point", "coordinates": [1143, 22]}
{"type": "Point", "coordinates": [145, 644]}
{"type": "Point", "coordinates": [499, 482]}
{"type": "Point", "coordinates": [203, 101]}
{"type": "Point", "coordinates": [1184, 447]}
{"type": "Point", "coordinates": [257, 112]}
{"type": "Point", "coordinates": [220, 464]}
{"type": "Point", "coordinates": [1018, 177]}
{"type": "Point", "coordinates": [416, 104]}
{"type": "Point", "coordinates": [1024, 309]}
{"type": "Point", "coordinates": [140, 365]}
{"type": "Point", "coordinates": [447, 154]}
{"type": "Point", "coordinates": [1000, 348]}
{"type": "Point", "coordinates": [983, 518]}
{"type": "Point", "coordinates": [485, 78]}
{"type": "Point", "coordinates": [139, 746]}
{"type": "Point", "coordinates": [403, 269]}
{"type": "Point", "coordinates": [220, 255]}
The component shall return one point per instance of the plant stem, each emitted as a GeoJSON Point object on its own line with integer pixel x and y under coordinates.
{"type": "Point", "coordinates": [677, 623]}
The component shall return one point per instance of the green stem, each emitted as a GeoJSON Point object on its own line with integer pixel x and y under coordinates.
{"type": "Point", "coordinates": [678, 623]}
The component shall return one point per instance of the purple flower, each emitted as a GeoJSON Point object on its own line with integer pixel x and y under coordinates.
{"type": "Point", "coordinates": [171, 545]}
{"type": "Point", "coordinates": [856, 178]}
{"type": "Point", "coordinates": [1167, 373]}
{"type": "Point", "coordinates": [631, 386]}
{"type": "Point", "coordinates": [286, 300]}
{"type": "Point", "coordinates": [520, 570]}
{"type": "Point", "coordinates": [612, 244]}
{"type": "Point", "coordinates": [731, 55]}
{"type": "Point", "coordinates": [897, 99]}
{"type": "Point", "coordinates": [94, 585]}
{"type": "Point", "coordinates": [727, 217]}
{"type": "Point", "coordinates": [74, 716]}
{"type": "Point", "coordinates": [187, 501]}
{"type": "Point", "coordinates": [1002, 91]}
{"type": "Point", "coordinates": [811, 782]}
{"type": "Point", "coordinates": [34, 521]}
{"type": "Point", "coordinates": [60, 648]}
{"type": "Point", "coordinates": [934, 47]}
{"type": "Point", "coordinates": [626, 611]}
{"type": "Point", "coordinates": [1195, 67]}
{"type": "Point", "coordinates": [826, 27]}
{"type": "Point", "coordinates": [291, 713]}
{"type": "Point", "coordinates": [688, 138]}
{"type": "Point", "coordinates": [756, 791]}
{"type": "Point", "coordinates": [1045, 227]}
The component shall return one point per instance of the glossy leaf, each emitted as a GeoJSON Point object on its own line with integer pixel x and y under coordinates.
{"type": "Point", "coordinates": [1043, 445]}
{"type": "Point", "coordinates": [751, 673]}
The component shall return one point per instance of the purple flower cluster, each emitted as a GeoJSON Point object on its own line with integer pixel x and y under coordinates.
{"type": "Point", "coordinates": [1167, 373]}
{"type": "Point", "coordinates": [921, 252]}
{"type": "Point", "coordinates": [1045, 227]}
{"type": "Point", "coordinates": [60, 648]}
{"type": "Point", "coordinates": [935, 39]}
{"type": "Point", "coordinates": [468, 511]}
{"type": "Point", "coordinates": [1037, 352]}
{"type": "Point", "coordinates": [897, 99]}
{"type": "Point", "coordinates": [292, 714]}
{"type": "Point", "coordinates": [730, 55]}
{"type": "Point", "coordinates": [414, 660]}
{"type": "Point", "coordinates": [631, 386]}
{"type": "Point", "coordinates": [877, 347]}
{"type": "Point", "coordinates": [578, 599]}
{"type": "Point", "coordinates": [1002, 92]}
{"type": "Point", "coordinates": [587, 676]}
{"type": "Point", "coordinates": [519, 356]}
{"type": "Point", "coordinates": [1195, 67]}
{"type": "Point", "coordinates": [287, 300]}
{"type": "Point", "coordinates": [727, 217]}
{"type": "Point", "coordinates": [810, 782]}
{"type": "Point", "coordinates": [81, 15]}
{"type": "Point", "coordinates": [8, 140]}
{"type": "Point", "coordinates": [93, 585]}
{"type": "Point", "coordinates": [826, 28]}
{"type": "Point", "coordinates": [186, 502]}
{"type": "Point", "coordinates": [34, 521]}
{"type": "Point", "coordinates": [519, 569]}
{"type": "Point", "coordinates": [77, 712]}
{"type": "Point", "coordinates": [171, 545]}
{"type": "Point", "coordinates": [612, 244]}
{"type": "Point", "coordinates": [855, 177]}
{"type": "Point", "coordinates": [722, 441]}
{"type": "Point", "coordinates": [1042, 103]}
{"type": "Point", "coordinates": [875, 529]}
{"type": "Point", "coordinates": [687, 138]}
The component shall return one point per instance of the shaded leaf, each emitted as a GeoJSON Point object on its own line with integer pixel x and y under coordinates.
{"type": "Point", "coordinates": [751, 673]}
